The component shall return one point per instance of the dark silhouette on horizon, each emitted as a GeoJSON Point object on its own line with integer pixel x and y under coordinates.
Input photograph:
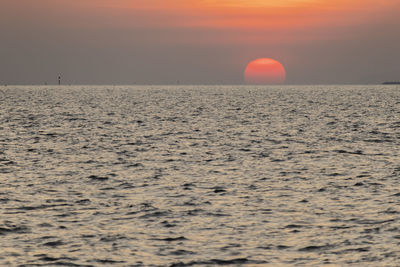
{"type": "Point", "coordinates": [391, 83]}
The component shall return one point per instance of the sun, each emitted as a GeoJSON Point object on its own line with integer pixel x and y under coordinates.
{"type": "Point", "coordinates": [265, 71]}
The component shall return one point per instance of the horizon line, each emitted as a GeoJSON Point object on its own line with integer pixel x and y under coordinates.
{"type": "Point", "coordinates": [193, 84]}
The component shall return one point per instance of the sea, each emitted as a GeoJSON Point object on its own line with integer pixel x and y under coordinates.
{"type": "Point", "coordinates": [200, 175]}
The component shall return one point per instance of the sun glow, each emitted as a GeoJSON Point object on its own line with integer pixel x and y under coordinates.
{"type": "Point", "coordinates": [258, 3]}
{"type": "Point", "coordinates": [264, 71]}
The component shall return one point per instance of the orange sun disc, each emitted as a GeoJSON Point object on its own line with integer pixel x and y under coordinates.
{"type": "Point", "coordinates": [265, 71]}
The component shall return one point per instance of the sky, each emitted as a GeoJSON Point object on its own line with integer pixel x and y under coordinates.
{"type": "Point", "coordinates": [197, 41]}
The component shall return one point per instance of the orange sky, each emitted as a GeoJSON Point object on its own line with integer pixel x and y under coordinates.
{"type": "Point", "coordinates": [256, 21]}
{"type": "Point", "coordinates": [237, 14]}
{"type": "Point", "coordinates": [257, 28]}
{"type": "Point", "coordinates": [251, 14]}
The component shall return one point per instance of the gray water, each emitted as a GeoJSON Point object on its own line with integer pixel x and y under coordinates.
{"type": "Point", "coordinates": [200, 176]}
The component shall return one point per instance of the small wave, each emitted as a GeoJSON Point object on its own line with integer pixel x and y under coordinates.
{"type": "Point", "coordinates": [98, 178]}
{"type": "Point", "coordinates": [352, 250]}
{"type": "Point", "coordinates": [42, 207]}
{"type": "Point", "coordinates": [108, 261]}
{"type": "Point", "coordinates": [181, 252]}
{"type": "Point", "coordinates": [53, 243]}
{"type": "Point", "coordinates": [314, 248]}
{"type": "Point", "coordinates": [13, 229]}
{"type": "Point", "coordinates": [172, 239]}
{"type": "Point", "coordinates": [155, 214]}
{"type": "Point", "coordinates": [219, 189]}
{"type": "Point", "coordinates": [291, 226]}
{"type": "Point", "coordinates": [218, 262]}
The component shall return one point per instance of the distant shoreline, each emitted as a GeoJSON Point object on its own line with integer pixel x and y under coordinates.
{"type": "Point", "coordinates": [386, 83]}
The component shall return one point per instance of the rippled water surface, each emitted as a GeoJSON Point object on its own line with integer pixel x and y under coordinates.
{"type": "Point", "coordinates": [200, 176]}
